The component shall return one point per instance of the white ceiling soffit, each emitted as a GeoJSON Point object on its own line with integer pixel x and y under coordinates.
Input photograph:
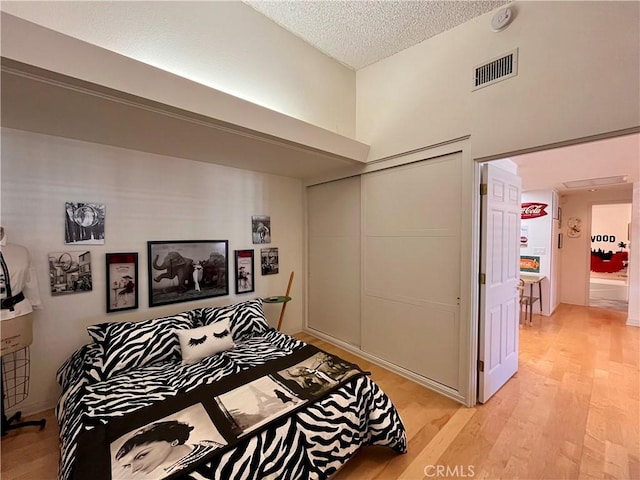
{"type": "Point", "coordinates": [49, 103]}
{"type": "Point", "coordinates": [359, 33]}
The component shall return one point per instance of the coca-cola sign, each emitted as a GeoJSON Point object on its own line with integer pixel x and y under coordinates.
{"type": "Point", "coordinates": [531, 210]}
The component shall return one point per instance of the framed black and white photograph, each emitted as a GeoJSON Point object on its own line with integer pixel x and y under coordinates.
{"type": "Point", "coordinates": [254, 404]}
{"type": "Point", "coordinates": [122, 281]}
{"type": "Point", "coordinates": [84, 223]}
{"type": "Point", "coordinates": [185, 270]}
{"type": "Point", "coordinates": [70, 272]}
{"type": "Point", "coordinates": [166, 446]}
{"type": "Point", "coordinates": [269, 260]}
{"type": "Point", "coordinates": [316, 374]}
{"type": "Point", "coordinates": [261, 228]}
{"type": "Point", "coordinates": [244, 271]}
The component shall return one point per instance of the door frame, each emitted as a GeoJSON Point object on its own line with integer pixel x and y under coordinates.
{"type": "Point", "coordinates": [475, 223]}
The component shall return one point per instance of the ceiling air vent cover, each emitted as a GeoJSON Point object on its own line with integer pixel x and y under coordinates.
{"type": "Point", "coordinates": [496, 70]}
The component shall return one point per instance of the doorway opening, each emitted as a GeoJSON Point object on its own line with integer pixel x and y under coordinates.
{"type": "Point", "coordinates": [608, 276]}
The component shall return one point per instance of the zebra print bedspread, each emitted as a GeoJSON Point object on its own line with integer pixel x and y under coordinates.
{"type": "Point", "coordinates": [312, 443]}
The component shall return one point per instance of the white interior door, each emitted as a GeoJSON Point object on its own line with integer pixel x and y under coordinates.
{"type": "Point", "coordinates": [500, 264]}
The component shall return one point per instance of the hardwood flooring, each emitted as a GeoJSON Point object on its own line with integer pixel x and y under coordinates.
{"type": "Point", "coordinates": [572, 411]}
{"type": "Point", "coordinates": [30, 454]}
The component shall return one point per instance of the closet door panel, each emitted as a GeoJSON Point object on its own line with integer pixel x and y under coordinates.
{"type": "Point", "coordinates": [334, 246]}
{"type": "Point", "coordinates": [419, 199]}
{"type": "Point", "coordinates": [411, 267]}
{"type": "Point", "coordinates": [402, 267]}
{"type": "Point", "coordinates": [396, 332]}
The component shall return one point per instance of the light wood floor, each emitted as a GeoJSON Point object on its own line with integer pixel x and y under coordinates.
{"type": "Point", "coordinates": [572, 411]}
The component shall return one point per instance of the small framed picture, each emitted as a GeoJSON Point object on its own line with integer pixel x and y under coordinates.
{"type": "Point", "coordinates": [244, 271]}
{"type": "Point", "coordinates": [70, 272]}
{"type": "Point", "coordinates": [269, 261]}
{"type": "Point", "coordinates": [84, 223]}
{"type": "Point", "coordinates": [261, 228]}
{"type": "Point", "coordinates": [122, 281]}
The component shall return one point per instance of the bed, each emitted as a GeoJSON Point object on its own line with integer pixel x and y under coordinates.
{"type": "Point", "coordinates": [214, 393]}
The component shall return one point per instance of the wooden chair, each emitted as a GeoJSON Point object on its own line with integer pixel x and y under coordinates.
{"type": "Point", "coordinates": [525, 301]}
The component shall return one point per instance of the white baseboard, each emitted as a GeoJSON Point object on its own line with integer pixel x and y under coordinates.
{"type": "Point", "coordinates": [403, 372]}
{"type": "Point", "coordinates": [26, 408]}
{"type": "Point", "coordinates": [633, 322]}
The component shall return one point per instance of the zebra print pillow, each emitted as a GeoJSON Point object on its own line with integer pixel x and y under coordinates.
{"type": "Point", "coordinates": [87, 361]}
{"type": "Point", "coordinates": [73, 367]}
{"type": "Point", "coordinates": [130, 345]}
{"type": "Point", "coordinates": [246, 319]}
{"type": "Point", "coordinates": [94, 364]}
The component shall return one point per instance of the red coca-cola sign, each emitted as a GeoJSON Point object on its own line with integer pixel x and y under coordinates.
{"type": "Point", "coordinates": [531, 210]}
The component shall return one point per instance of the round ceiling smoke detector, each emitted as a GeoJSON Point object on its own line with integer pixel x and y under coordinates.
{"type": "Point", "coordinates": [501, 19]}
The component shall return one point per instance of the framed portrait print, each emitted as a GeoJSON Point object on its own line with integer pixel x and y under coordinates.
{"type": "Point", "coordinates": [122, 281]}
{"type": "Point", "coordinates": [185, 270]}
{"type": "Point", "coordinates": [191, 425]}
{"type": "Point", "coordinates": [244, 271]}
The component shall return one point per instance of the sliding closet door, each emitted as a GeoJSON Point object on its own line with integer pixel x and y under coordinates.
{"type": "Point", "coordinates": [411, 272]}
{"type": "Point", "coordinates": [334, 259]}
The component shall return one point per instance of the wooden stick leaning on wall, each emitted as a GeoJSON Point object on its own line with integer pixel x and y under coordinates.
{"type": "Point", "coordinates": [284, 305]}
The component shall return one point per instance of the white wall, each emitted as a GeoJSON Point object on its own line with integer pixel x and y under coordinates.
{"type": "Point", "coordinates": [147, 197]}
{"type": "Point", "coordinates": [542, 243]}
{"type": "Point", "coordinates": [612, 222]}
{"type": "Point", "coordinates": [576, 253]}
{"type": "Point", "coordinates": [225, 45]}
{"type": "Point", "coordinates": [570, 83]}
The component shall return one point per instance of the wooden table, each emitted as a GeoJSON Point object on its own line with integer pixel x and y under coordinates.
{"type": "Point", "coordinates": [531, 279]}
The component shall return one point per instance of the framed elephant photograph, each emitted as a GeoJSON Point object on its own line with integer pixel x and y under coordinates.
{"type": "Point", "coordinates": [185, 270]}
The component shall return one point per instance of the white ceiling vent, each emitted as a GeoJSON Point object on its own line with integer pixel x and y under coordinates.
{"type": "Point", "coordinates": [496, 70]}
{"type": "Point", "coordinates": [596, 182]}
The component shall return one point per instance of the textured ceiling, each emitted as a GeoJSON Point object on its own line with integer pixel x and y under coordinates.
{"type": "Point", "coordinates": [359, 33]}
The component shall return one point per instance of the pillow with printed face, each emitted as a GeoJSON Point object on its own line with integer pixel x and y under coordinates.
{"type": "Point", "coordinates": [246, 319]}
{"type": "Point", "coordinates": [129, 345]}
{"type": "Point", "coordinates": [198, 343]}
